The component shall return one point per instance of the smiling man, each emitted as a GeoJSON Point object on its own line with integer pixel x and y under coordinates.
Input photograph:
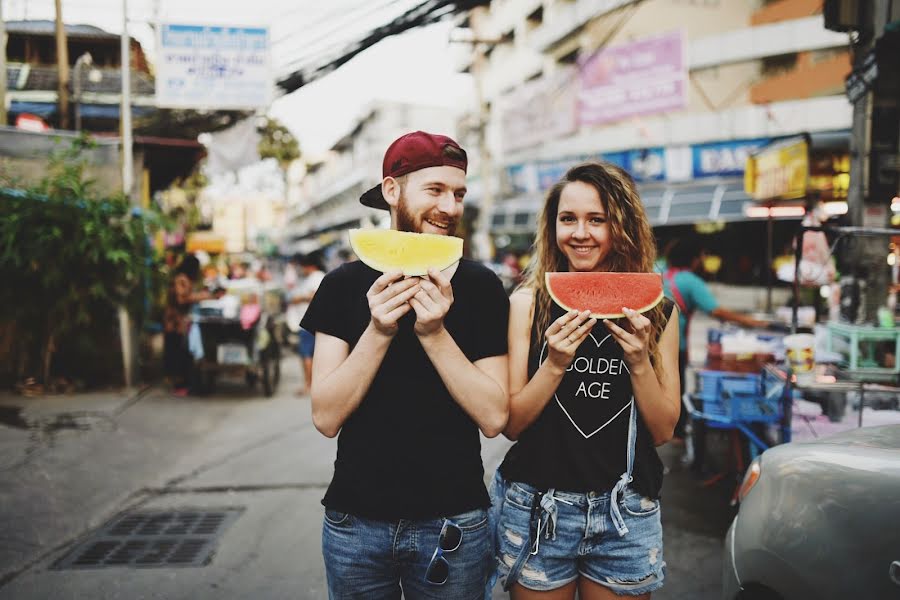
{"type": "Point", "coordinates": [406, 372]}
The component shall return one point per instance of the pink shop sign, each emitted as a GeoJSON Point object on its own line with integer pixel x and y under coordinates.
{"type": "Point", "coordinates": [639, 78]}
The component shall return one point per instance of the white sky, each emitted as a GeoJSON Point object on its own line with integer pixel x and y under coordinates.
{"type": "Point", "coordinates": [423, 67]}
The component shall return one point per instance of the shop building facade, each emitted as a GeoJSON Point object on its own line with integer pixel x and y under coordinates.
{"type": "Point", "coordinates": [679, 93]}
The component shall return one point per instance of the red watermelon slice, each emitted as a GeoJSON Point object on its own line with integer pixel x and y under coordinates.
{"type": "Point", "coordinates": [604, 294]}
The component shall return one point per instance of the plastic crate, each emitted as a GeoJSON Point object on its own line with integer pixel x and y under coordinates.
{"type": "Point", "coordinates": [737, 397]}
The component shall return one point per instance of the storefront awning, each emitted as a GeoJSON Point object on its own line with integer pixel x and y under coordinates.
{"type": "Point", "coordinates": [721, 200]}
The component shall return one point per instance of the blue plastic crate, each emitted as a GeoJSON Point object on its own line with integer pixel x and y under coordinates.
{"type": "Point", "coordinates": [737, 397]}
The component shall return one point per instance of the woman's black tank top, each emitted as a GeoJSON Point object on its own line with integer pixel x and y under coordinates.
{"type": "Point", "coordinates": [579, 442]}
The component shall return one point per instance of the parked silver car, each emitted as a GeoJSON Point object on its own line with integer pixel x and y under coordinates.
{"type": "Point", "coordinates": [819, 520]}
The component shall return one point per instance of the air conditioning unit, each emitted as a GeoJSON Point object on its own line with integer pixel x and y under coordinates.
{"type": "Point", "coordinates": [844, 15]}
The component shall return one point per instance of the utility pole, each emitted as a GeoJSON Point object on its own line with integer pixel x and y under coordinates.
{"type": "Point", "coordinates": [126, 326]}
{"type": "Point", "coordinates": [62, 66]}
{"type": "Point", "coordinates": [481, 238]}
{"type": "Point", "coordinates": [3, 116]}
{"type": "Point", "coordinates": [125, 107]}
{"type": "Point", "coordinates": [874, 90]}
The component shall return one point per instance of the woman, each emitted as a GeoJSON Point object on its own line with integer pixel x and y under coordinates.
{"type": "Point", "coordinates": [578, 493]}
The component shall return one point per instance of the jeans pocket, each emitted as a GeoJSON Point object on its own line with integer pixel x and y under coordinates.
{"type": "Point", "coordinates": [519, 497]}
{"type": "Point", "coordinates": [637, 505]}
{"type": "Point", "coordinates": [336, 517]}
{"type": "Point", "coordinates": [471, 520]}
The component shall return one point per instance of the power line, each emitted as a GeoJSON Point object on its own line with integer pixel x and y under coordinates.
{"type": "Point", "coordinates": [425, 13]}
{"type": "Point", "coordinates": [340, 25]}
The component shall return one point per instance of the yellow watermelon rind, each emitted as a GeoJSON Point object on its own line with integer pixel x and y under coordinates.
{"type": "Point", "coordinates": [408, 271]}
{"type": "Point", "coordinates": [616, 315]}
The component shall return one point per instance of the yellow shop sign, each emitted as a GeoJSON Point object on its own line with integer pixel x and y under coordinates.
{"type": "Point", "coordinates": [779, 171]}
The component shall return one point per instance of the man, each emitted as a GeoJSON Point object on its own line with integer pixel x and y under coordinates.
{"type": "Point", "coordinates": [682, 285]}
{"type": "Point", "coordinates": [408, 371]}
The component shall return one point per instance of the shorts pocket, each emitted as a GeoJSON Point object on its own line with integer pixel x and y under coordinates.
{"type": "Point", "coordinates": [519, 497]}
{"type": "Point", "coordinates": [637, 505]}
{"type": "Point", "coordinates": [336, 517]}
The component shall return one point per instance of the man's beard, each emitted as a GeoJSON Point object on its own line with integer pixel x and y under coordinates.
{"type": "Point", "coordinates": [406, 221]}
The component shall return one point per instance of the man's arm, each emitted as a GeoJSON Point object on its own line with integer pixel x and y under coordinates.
{"type": "Point", "coordinates": [480, 387]}
{"type": "Point", "coordinates": [724, 314]}
{"type": "Point", "coordinates": [340, 378]}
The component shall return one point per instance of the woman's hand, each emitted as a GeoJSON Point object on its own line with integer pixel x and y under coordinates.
{"type": "Point", "coordinates": [565, 335]}
{"type": "Point", "coordinates": [635, 340]}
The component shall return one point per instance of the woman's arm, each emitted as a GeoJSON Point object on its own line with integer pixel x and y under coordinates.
{"type": "Point", "coordinates": [528, 398]}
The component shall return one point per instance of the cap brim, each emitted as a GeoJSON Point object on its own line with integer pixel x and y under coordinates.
{"type": "Point", "coordinates": [374, 199]}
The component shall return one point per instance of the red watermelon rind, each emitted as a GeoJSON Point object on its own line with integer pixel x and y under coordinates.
{"type": "Point", "coordinates": [638, 277]}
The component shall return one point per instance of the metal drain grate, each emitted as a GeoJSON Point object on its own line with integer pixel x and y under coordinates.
{"type": "Point", "coordinates": [153, 539]}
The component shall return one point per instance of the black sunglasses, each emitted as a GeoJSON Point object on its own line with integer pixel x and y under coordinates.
{"type": "Point", "coordinates": [450, 539]}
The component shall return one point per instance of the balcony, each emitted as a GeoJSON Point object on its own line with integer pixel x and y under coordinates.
{"type": "Point", "coordinates": [808, 79]}
{"type": "Point", "coordinates": [785, 10]}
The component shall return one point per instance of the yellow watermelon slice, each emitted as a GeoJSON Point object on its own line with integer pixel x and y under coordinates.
{"type": "Point", "coordinates": [604, 294]}
{"type": "Point", "coordinates": [413, 253]}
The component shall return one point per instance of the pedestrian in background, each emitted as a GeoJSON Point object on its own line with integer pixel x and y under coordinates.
{"type": "Point", "coordinates": [178, 360]}
{"type": "Point", "coordinates": [407, 372]}
{"type": "Point", "coordinates": [578, 494]}
{"type": "Point", "coordinates": [686, 288]}
{"type": "Point", "coordinates": [312, 272]}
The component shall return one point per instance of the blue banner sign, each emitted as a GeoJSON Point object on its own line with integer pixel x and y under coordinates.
{"type": "Point", "coordinates": [723, 159]}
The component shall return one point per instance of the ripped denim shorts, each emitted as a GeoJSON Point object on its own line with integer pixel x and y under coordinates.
{"type": "Point", "coordinates": [546, 551]}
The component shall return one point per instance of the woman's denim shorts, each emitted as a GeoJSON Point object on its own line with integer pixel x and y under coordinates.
{"type": "Point", "coordinates": [584, 541]}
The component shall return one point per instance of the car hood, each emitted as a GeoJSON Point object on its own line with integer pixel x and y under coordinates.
{"type": "Point", "coordinates": [885, 437]}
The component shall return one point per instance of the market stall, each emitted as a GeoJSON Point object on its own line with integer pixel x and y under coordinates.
{"type": "Point", "coordinates": [804, 377]}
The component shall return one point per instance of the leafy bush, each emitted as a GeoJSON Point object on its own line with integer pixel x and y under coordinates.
{"type": "Point", "coordinates": [67, 259]}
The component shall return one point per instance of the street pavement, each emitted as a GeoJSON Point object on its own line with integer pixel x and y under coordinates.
{"type": "Point", "coordinates": [69, 464]}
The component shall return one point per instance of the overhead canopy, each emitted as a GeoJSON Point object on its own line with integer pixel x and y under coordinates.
{"type": "Point", "coordinates": [721, 200]}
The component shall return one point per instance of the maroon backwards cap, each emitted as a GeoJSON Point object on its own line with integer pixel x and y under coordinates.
{"type": "Point", "coordinates": [411, 152]}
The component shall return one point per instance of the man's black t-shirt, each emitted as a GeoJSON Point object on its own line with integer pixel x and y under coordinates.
{"type": "Point", "coordinates": [409, 451]}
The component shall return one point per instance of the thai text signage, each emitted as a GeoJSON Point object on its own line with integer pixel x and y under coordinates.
{"type": "Point", "coordinates": [779, 171]}
{"type": "Point", "coordinates": [211, 67]}
{"type": "Point", "coordinates": [640, 78]}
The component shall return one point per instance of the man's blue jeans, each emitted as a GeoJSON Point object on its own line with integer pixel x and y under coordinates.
{"type": "Point", "coordinates": [375, 560]}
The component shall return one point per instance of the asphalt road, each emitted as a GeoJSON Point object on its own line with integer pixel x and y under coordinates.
{"type": "Point", "coordinates": [70, 464]}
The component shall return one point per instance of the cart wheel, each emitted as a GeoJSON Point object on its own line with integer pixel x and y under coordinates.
{"type": "Point", "coordinates": [265, 365]}
{"type": "Point", "coordinates": [208, 382]}
{"type": "Point", "coordinates": [276, 365]}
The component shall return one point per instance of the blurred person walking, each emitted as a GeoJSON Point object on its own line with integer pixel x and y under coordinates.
{"type": "Point", "coordinates": [312, 273]}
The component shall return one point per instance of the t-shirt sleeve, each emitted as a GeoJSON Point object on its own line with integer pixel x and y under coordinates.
{"type": "Point", "coordinates": [491, 319]}
{"type": "Point", "coordinates": [327, 310]}
{"type": "Point", "coordinates": [700, 295]}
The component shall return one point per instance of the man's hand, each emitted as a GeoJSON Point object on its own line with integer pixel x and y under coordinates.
{"type": "Point", "coordinates": [389, 300]}
{"type": "Point", "coordinates": [431, 302]}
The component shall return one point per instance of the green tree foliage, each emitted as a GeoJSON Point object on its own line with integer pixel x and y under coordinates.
{"type": "Point", "coordinates": [68, 258]}
{"type": "Point", "coordinates": [278, 142]}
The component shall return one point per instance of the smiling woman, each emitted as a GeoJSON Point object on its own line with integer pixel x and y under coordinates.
{"type": "Point", "coordinates": [587, 404]}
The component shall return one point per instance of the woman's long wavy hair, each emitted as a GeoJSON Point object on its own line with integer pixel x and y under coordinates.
{"type": "Point", "coordinates": [632, 245]}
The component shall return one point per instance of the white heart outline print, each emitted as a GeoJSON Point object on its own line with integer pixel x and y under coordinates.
{"type": "Point", "coordinates": [556, 397]}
